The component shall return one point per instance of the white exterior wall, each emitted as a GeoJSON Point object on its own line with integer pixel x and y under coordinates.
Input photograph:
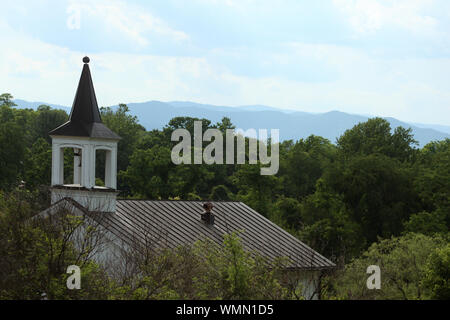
{"type": "Point", "coordinates": [310, 285]}
{"type": "Point", "coordinates": [93, 200]}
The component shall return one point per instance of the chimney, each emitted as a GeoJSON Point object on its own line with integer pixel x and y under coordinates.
{"type": "Point", "coordinates": [208, 216]}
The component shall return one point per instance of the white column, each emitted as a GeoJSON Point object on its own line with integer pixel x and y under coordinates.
{"type": "Point", "coordinates": [61, 165]}
{"type": "Point", "coordinates": [113, 168]}
{"type": "Point", "coordinates": [77, 166]}
{"type": "Point", "coordinates": [86, 165]}
{"type": "Point", "coordinates": [108, 173]}
{"type": "Point", "coordinates": [84, 159]}
{"type": "Point", "coordinates": [55, 164]}
{"type": "Point", "coordinates": [91, 166]}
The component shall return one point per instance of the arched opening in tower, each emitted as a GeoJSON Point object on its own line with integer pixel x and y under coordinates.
{"type": "Point", "coordinates": [100, 163]}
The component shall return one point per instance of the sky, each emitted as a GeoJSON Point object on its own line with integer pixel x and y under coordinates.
{"type": "Point", "coordinates": [387, 58]}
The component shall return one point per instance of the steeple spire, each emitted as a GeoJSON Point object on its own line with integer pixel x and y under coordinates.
{"type": "Point", "coordinates": [84, 119]}
{"type": "Point", "coordinates": [85, 108]}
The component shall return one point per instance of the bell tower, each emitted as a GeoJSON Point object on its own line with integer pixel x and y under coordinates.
{"type": "Point", "coordinates": [85, 133]}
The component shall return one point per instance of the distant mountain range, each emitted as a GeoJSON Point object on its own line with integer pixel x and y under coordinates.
{"type": "Point", "coordinates": [292, 124]}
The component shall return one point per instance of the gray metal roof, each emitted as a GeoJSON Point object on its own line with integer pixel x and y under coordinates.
{"type": "Point", "coordinates": [175, 223]}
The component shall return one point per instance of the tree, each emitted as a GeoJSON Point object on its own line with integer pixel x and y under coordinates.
{"type": "Point", "coordinates": [12, 147]}
{"type": "Point", "coordinates": [185, 123]}
{"type": "Point", "coordinates": [428, 223]}
{"type": "Point", "coordinates": [20, 134]}
{"type": "Point", "coordinates": [127, 127]}
{"type": "Point", "coordinates": [255, 189]}
{"type": "Point", "coordinates": [289, 211]}
{"type": "Point", "coordinates": [45, 120]}
{"type": "Point", "coordinates": [225, 124]}
{"type": "Point", "coordinates": [37, 251]}
{"type": "Point", "coordinates": [38, 163]}
{"type": "Point", "coordinates": [437, 273]}
{"type": "Point", "coordinates": [432, 178]}
{"type": "Point", "coordinates": [6, 100]}
{"type": "Point", "coordinates": [376, 190]}
{"type": "Point", "coordinates": [196, 179]}
{"type": "Point", "coordinates": [403, 265]}
{"type": "Point", "coordinates": [327, 225]}
{"type": "Point", "coordinates": [374, 136]}
{"type": "Point", "coordinates": [203, 270]}
{"type": "Point", "coordinates": [148, 173]}
{"type": "Point", "coordinates": [303, 164]}
{"type": "Point", "coordinates": [233, 273]}
{"type": "Point", "coordinates": [220, 193]}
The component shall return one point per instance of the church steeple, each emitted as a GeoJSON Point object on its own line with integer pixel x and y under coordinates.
{"type": "Point", "coordinates": [85, 108]}
{"type": "Point", "coordinates": [85, 119]}
{"type": "Point", "coordinates": [85, 134]}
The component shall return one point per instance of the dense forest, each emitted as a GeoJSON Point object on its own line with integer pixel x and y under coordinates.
{"type": "Point", "coordinates": [371, 197]}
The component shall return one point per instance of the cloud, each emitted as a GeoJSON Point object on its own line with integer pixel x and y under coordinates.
{"type": "Point", "coordinates": [369, 16]}
{"type": "Point", "coordinates": [128, 19]}
{"type": "Point", "coordinates": [350, 79]}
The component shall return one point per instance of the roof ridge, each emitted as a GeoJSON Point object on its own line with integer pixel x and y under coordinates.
{"type": "Point", "coordinates": [178, 200]}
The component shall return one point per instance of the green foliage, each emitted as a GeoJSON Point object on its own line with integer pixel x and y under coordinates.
{"type": "Point", "coordinates": [289, 211]}
{"type": "Point", "coordinates": [36, 253]}
{"type": "Point", "coordinates": [45, 120]}
{"type": "Point", "coordinates": [220, 193]}
{"type": "Point", "coordinates": [233, 273]}
{"type": "Point", "coordinates": [437, 273]}
{"type": "Point", "coordinates": [432, 179]}
{"type": "Point", "coordinates": [232, 270]}
{"type": "Point", "coordinates": [21, 147]}
{"type": "Point", "coordinates": [148, 173]}
{"type": "Point", "coordinates": [127, 127]}
{"type": "Point", "coordinates": [377, 192]}
{"type": "Point", "coordinates": [428, 223]}
{"type": "Point", "coordinates": [330, 230]}
{"type": "Point", "coordinates": [374, 136]}
{"type": "Point", "coordinates": [255, 189]}
{"type": "Point", "coordinates": [206, 270]}
{"type": "Point", "coordinates": [38, 163]}
{"type": "Point", "coordinates": [5, 100]}
{"type": "Point", "coordinates": [12, 147]}
{"type": "Point", "coordinates": [403, 265]}
{"type": "Point", "coordinates": [303, 163]}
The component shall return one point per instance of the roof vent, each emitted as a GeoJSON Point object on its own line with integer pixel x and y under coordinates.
{"type": "Point", "coordinates": [208, 216]}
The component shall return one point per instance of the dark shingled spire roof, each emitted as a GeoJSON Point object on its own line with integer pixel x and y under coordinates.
{"type": "Point", "coordinates": [84, 119]}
